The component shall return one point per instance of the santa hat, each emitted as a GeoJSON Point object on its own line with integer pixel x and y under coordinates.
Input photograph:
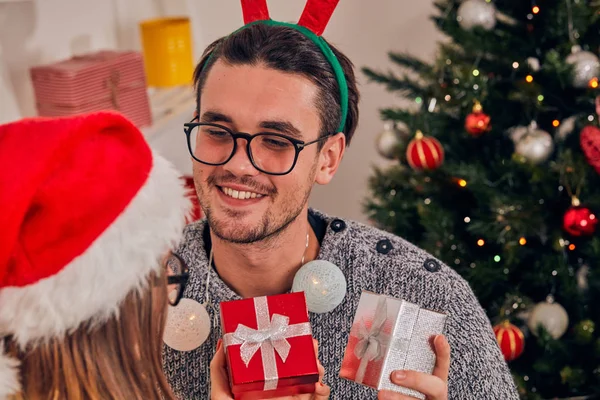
{"type": "Point", "coordinates": [87, 210]}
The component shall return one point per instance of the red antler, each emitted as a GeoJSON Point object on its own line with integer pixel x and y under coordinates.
{"type": "Point", "coordinates": [316, 15]}
{"type": "Point", "coordinates": [254, 10]}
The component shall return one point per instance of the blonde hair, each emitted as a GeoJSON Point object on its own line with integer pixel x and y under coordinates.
{"type": "Point", "coordinates": [119, 359]}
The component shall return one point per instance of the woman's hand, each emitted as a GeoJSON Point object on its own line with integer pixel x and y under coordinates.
{"type": "Point", "coordinates": [434, 386]}
{"type": "Point", "coordinates": [220, 380]}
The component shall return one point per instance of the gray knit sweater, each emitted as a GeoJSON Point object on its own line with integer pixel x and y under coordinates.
{"type": "Point", "coordinates": [371, 260]}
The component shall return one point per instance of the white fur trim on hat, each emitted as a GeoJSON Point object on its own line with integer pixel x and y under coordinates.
{"type": "Point", "coordinates": [9, 375]}
{"type": "Point", "coordinates": [93, 285]}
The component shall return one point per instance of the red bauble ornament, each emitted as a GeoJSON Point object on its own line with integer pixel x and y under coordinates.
{"type": "Point", "coordinates": [424, 152]}
{"type": "Point", "coordinates": [510, 339]}
{"type": "Point", "coordinates": [590, 144]}
{"type": "Point", "coordinates": [579, 221]}
{"type": "Point", "coordinates": [477, 122]}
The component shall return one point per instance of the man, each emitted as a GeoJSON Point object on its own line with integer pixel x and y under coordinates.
{"type": "Point", "coordinates": [266, 130]}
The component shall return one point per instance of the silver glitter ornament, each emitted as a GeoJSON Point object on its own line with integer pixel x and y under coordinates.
{"type": "Point", "coordinates": [323, 284]}
{"type": "Point", "coordinates": [533, 144]}
{"type": "Point", "coordinates": [387, 142]}
{"type": "Point", "coordinates": [472, 13]}
{"type": "Point", "coordinates": [551, 315]}
{"type": "Point", "coordinates": [586, 66]}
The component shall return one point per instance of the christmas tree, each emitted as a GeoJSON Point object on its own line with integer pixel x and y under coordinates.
{"type": "Point", "coordinates": [496, 173]}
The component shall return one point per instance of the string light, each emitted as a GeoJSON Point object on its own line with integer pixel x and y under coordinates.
{"type": "Point", "coordinates": [529, 78]}
{"type": "Point", "coordinates": [541, 98]}
{"type": "Point", "coordinates": [480, 242]}
{"type": "Point", "coordinates": [418, 100]}
{"type": "Point", "coordinates": [535, 9]}
{"type": "Point", "coordinates": [467, 220]}
{"type": "Point", "coordinates": [571, 247]}
{"type": "Point", "coordinates": [515, 65]}
{"type": "Point", "coordinates": [556, 123]}
{"type": "Point", "coordinates": [522, 241]}
{"type": "Point", "coordinates": [497, 258]}
{"type": "Point", "coordinates": [447, 97]}
{"type": "Point", "coordinates": [462, 183]}
{"type": "Point", "coordinates": [475, 72]}
{"type": "Point", "coordinates": [593, 83]}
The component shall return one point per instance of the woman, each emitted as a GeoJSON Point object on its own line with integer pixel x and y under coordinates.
{"type": "Point", "coordinates": [87, 213]}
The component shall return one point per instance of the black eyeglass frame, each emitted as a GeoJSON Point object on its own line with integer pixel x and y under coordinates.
{"type": "Point", "coordinates": [179, 279]}
{"type": "Point", "coordinates": [299, 145]}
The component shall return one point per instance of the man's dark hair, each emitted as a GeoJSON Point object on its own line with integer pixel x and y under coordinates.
{"type": "Point", "coordinates": [285, 49]}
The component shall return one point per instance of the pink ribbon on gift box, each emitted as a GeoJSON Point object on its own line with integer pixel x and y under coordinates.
{"type": "Point", "coordinates": [371, 341]}
{"type": "Point", "coordinates": [270, 338]}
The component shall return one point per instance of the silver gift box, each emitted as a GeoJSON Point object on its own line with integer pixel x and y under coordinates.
{"type": "Point", "coordinates": [387, 335]}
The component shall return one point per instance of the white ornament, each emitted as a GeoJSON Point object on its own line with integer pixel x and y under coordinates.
{"type": "Point", "coordinates": [552, 316]}
{"type": "Point", "coordinates": [188, 325]}
{"type": "Point", "coordinates": [534, 144]}
{"type": "Point", "coordinates": [567, 126]}
{"type": "Point", "coordinates": [472, 13]}
{"type": "Point", "coordinates": [323, 284]}
{"type": "Point", "coordinates": [582, 277]}
{"type": "Point", "coordinates": [387, 142]}
{"type": "Point", "coordinates": [586, 66]}
{"type": "Point", "coordinates": [533, 63]}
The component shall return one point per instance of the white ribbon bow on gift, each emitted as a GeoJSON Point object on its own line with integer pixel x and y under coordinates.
{"type": "Point", "coordinates": [371, 341]}
{"type": "Point", "coordinates": [270, 338]}
{"type": "Point", "coordinates": [253, 339]}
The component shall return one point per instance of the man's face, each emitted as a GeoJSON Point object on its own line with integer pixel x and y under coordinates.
{"type": "Point", "coordinates": [255, 99]}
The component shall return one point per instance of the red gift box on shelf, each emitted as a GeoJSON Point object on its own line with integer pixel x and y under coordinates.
{"type": "Point", "coordinates": [269, 346]}
{"type": "Point", "coordinates": [106, 80]}
{"type": "Point", "coordinates": [390, 334]}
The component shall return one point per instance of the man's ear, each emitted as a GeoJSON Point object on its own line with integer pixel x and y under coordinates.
{"type": "Point", "coordinates": [330, 158]}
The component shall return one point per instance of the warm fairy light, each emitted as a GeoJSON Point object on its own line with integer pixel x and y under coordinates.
{"type": "Point", "coordinates": [529, 78]}
{"type": "Point", "coordinates": [522, 241]}
{"type": "Point", "coordinates": [515, 65]}
{"type": "Point", "coordinates": [480, 242]}
{"type": "Point", "coordinates": [535, 9]}
{"type": "Point", "coordinates": [475, 72]}
{"type": "Point", "coordinates": [593, 83]}
{"type": "Point", "coordinates": [462, 183]}
{"type": "Point", "coordinates": [556, 123]}
{"type": "Point", "coordinates": [571, 247]}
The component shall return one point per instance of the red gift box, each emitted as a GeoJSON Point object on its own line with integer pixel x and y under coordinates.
{"type": "Point", "coordinates": [269, 347]}
{"type": "Point", "coordinates": [106, 80]}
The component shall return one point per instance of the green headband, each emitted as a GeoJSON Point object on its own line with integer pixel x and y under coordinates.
{"type": "Point", "coordinates": [327, 52]}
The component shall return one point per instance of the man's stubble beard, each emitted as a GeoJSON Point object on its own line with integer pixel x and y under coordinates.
{"type": "Point", "coordinates": [269, 228]}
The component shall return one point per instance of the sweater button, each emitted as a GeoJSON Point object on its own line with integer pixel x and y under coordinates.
{"type": "Point", "coordinates": [384, 246]}
{"type": "Point", "coordinates": [338, 225]}
{"type": "Point", "coordinates": [432, 265]}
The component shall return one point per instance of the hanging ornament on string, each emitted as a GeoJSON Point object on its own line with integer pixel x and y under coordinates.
{"type": "Point", "coordinates": [323, 284]}
{"type": "Point", "coordinates": [188, 323]}
{"type": "Point", "coordinates": [424, 152]}
{"type": "Point", "coordinates": [476, 13]}
{"type": "Point", "coordinates": [565, 128]}
{"type": "Point", "coordinates": [578, 220]}
{"type": "Point", "coordinates": [549, 315]}
{"type": "Point", "coordinates": [477, 122]}
{"type": "Point", "coordinates": [589, 140]}
{"type": "Point", "coordinates": [586, 67]}
{"type": "Point", "coordinates": [510, 339]}
{"type": "Point", "coordinates": [532, 144]}
{"type": "Point", "coordinates": [389, 140]}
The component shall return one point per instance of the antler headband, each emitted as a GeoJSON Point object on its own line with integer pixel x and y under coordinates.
{"type": "Point", "coordinates": [312, 23]}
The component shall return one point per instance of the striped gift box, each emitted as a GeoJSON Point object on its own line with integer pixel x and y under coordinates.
{"type": "Point", "coordinates": [106, 80]}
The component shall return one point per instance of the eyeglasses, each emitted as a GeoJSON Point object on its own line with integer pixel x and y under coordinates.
{"type": "Point", "coordinates": [270, 153]}
{"type": "Point", "coordinates": [177, 278]}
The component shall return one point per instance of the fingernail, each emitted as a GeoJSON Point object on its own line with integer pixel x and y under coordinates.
{"type": "Point", "coordinates": [399, 375]}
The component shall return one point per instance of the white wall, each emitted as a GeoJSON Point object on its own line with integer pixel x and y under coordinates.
{"type": "Point", "coordinates": [40, 31]}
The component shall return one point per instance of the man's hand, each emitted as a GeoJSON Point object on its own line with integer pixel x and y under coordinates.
{"type": "Point", "coordinates": [220, 381]}
{"type": "Point", "coordinates": [434, 387]}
